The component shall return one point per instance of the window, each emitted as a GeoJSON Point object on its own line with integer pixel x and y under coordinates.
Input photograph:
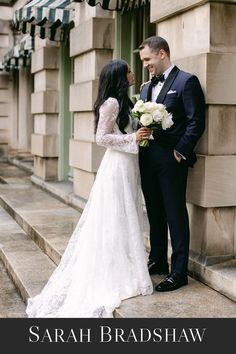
{"type": "Point", "coordinates": [132, 27]}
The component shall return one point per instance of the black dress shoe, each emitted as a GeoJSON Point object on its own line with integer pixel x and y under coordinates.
{"type": "Point", "coordinates": [154, 268]}
{"type": "Point", "coordinates": [172, 282]}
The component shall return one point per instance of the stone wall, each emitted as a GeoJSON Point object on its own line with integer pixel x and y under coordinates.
{"type": "Point", "coordinates": [44, 102]}
{"type": "Point", "coordinates": [90, 53]}
{"type": "Point", "coordinates": [5, 44]}
{"type": "Point", "coordinates": [201, 35]}
{"type": "Point", "coordinates": [16, 124]}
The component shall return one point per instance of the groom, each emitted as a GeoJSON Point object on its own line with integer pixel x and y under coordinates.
{"type": "Point", "coordinates": [164, 164]}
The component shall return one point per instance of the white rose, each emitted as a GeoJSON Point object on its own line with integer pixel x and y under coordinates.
{"type": "Point", "coordinates": [139, 106]}
{"type": "Point", "coordinates": [167, 122]}
{"type": "Point", "coordinates": [150, 107]}
{"type": "Point", "coordinates": [161, 107]}
{"type": "Point", "coordinates": [146, 119]}
{"type": "Point", "coordinates": [157, 116]}
{"type": "Point", "coordinates": [165, 114]}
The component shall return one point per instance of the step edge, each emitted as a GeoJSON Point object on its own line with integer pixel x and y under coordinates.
{"type": "Point", "coordinates": [14, 276]}
{"type": "Point", "coordinates": [38, 238]}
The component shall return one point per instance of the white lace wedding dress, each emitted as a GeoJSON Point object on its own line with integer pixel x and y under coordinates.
{"type": "Point", "coordinates": [105, 260]}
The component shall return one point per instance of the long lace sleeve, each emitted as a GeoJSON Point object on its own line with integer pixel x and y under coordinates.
{"type": "Point", "coordinates": [108, 134]}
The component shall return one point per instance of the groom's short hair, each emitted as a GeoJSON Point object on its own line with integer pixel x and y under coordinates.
{"type": "Point", "coordinates": [155, 43]}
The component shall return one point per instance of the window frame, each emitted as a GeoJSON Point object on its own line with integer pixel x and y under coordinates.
{"type": "Point", "coordinates": [129, 37]}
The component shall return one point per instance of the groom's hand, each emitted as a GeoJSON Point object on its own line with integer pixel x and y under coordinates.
{"type": "Point", "coordinates": [178, 157]}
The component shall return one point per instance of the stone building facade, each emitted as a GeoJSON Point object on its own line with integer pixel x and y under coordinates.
{"type": "Point", "coordinates": [46, 109]}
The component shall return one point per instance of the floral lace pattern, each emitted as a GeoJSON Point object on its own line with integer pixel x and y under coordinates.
{"type": "Point", "coordinates": [108, 133]}
{"type": "Point", "coordinates": [105, 261]}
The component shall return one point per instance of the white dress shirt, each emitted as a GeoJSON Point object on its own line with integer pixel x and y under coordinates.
{"type": "Point", "coordinates": [156, 89]}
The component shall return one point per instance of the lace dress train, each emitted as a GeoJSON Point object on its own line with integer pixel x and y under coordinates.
{"type": "Point", "coordinates": [104, 262]}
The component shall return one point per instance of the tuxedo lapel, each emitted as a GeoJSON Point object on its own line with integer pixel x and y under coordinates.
{"type": "Point", "coordinates": [144, 91]}
{"type": "Point", "coordinates": [168, 82]}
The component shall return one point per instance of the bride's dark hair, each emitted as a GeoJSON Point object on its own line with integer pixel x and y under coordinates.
{"type": "Point", "coordinates": [113, 82]}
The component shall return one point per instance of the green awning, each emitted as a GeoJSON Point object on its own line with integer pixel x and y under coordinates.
{"type": "Point", "coordinates": [19, 55]}
{"type": "Point", "coordinates": [116, 4]}
{"type": "Point", "coordinates": [47, 18]}
{"type": "Point", "coordinates": [26, 45]}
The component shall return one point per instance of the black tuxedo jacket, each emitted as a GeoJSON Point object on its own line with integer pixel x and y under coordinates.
{"type": "Point", "coordinates": [183, 97]}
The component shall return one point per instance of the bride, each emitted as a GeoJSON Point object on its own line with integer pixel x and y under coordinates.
{"type": "Point", "coordinates": [104, 262]}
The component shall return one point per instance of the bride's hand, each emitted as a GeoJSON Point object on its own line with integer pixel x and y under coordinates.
{"type": "Point", "coordinates": [143, 133]}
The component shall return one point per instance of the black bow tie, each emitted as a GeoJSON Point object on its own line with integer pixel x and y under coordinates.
{"type": "Point", "coordinates": [156, 79]}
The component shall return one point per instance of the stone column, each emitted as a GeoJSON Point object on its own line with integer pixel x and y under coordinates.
{"type": "Point", "coordinates": [5, 91]}
{"type": "Point", "coordinates": [13, 112]}
{"type": "Point", "coordinates": [4, 114]}
{"type": "Point", "coordinates": [44, 107]}
{"type": "Point", "coordinates": [91, 45]}
{"type": "Point", "coordinates": [25, 117]}
{"type": "Point", "coordinates": [202, 39]}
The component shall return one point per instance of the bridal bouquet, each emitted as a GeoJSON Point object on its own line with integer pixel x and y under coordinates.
{"type": "Point", "coordinates": [151, 115]}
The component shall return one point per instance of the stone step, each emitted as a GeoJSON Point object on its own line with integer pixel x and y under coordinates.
{"type": "Point", "coordinates": [11, 304]}
{"type": "Point", "coordinates": [25, 162]}
{"type": "Point", "coordinates": [28, 267]}
{"type": "Point", "coordinates": [12, 174]}
{"type": "Point", "coordinates": [196, 300]}
{"type": "Point", "coordinates": [48, 221]}
{"type": "Point", "coordinates": [220, 276]}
